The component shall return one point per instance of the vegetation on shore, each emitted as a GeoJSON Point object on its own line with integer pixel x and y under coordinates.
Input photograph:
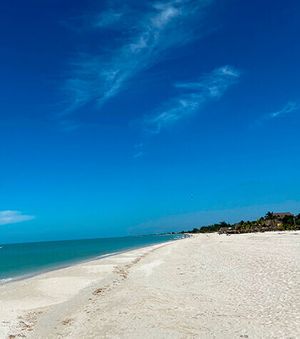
{"type": "Point", "coordinates": [270, 222]}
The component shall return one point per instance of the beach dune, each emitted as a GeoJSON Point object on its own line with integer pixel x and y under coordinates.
{"type": "Point", "coordinates": [206, 286]}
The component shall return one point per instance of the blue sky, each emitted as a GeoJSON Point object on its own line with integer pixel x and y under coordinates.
{"type": "Point", "coordinates": [130, 117]}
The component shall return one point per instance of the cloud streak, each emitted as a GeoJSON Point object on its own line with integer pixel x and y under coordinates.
{"type": "Point", "coordinates": [139, 150]}
{"type": "Point", "coordinates": [108, 18]}
{"type": "Point", "coordinates": [288, 108]}
{"type": "Point", "coordinates": [148, 35]}
{"type": "Point", "coordinates": [192, 97]}
{"type": "Point", "coordinates": [13, 217]}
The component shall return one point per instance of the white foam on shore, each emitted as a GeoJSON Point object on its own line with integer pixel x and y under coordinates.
{"type": "Point", "coordinates": [4, 281]}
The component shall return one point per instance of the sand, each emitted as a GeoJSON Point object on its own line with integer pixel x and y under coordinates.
{"type": "Point", "coordinates": [207, 286]}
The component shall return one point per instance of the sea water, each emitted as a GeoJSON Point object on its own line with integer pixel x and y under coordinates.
{"type": "Point", "coordinates": [22, 260]}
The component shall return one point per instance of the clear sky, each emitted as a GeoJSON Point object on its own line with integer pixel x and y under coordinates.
{"type": "Point", "coordinates": [130, 117]}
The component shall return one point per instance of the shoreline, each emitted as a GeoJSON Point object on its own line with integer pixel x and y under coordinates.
{"type": "Point", "coordinates": [207, 286]}
{"type": "Point", "coordinates": [56, 268]}
{"type": "Point", "coordinates": [4, 281]}
{"type": "Point", "coordinates": [14, 312]}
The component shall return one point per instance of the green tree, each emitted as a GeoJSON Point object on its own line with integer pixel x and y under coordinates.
{"type": "Point", "coordinates": [269, 216]}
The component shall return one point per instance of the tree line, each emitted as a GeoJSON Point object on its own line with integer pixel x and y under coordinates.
{"type": "Point", "coordinates": [270, 222]}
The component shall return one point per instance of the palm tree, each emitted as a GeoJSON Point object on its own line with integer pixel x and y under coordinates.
{"type": "Point", "coordinates": [269, 216]}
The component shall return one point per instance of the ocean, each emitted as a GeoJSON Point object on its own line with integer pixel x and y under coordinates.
{"type": "Point", "coordinates": [26, 259]}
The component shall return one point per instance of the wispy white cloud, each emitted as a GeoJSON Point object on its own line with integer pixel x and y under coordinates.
{"type": "Point", "coordinates": [13, 217]}
{"type": "Point", "coordinates": [138, 150]}
{"type": "Point", "coordinates": [149, 33]}
{"type": "Point", "coordinates": [108, 18]}
{"type": "Point", "coordinates": [192, 97]}
{"type": "Point", "coordinates": [288, 108]}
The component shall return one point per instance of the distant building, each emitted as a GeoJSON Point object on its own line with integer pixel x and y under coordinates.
{"type": "Point", "coordinates": [227, 230]}
{"type": "Point", "coordinates": [277, 219]}
{"type": "Point", "coordinates": [282, 215]}
{"type": "Point", "coordinates": [223, 230]}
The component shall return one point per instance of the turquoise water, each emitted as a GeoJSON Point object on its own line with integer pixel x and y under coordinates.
{"type": "Point", "coordinates": [18, 260]}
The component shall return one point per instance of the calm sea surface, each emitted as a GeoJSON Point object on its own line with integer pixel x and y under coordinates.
{"type": "Point", "coordinates": [19, 260]}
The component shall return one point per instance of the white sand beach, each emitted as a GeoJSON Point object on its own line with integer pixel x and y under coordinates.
{"type": "Point", "coordinates": [207, 286]}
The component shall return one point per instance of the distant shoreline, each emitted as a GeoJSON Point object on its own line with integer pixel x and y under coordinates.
{"type": "Point", "coordinates": [75, 261]}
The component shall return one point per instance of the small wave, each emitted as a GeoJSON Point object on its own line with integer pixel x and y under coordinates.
{"type": "Point", "coordinates": [106, 255]}
{"type": "Point", "coordinates": [4, 281]}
